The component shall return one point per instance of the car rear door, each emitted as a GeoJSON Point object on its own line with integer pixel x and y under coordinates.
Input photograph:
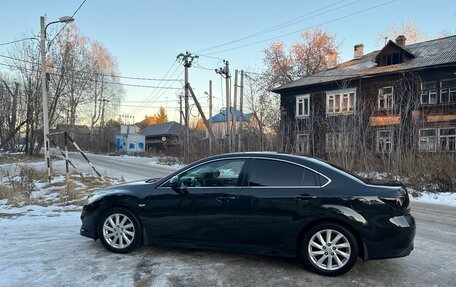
{"type": "Point", "coordinates": [201, 207]}
{"type": "Point", "coordinates": [277, 196]}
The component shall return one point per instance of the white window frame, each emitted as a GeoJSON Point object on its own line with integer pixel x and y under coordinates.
{"type": "Point", "coordinates": [335, 101]}
{"type": "Point", "coordinates": [448, 91]}
{"type": "Point", "coordinates": [447, 137]}
{"type": "Point", "coordinates": [425, 140]}
{"type": "Point", "coordinates": [428, 93]}
{"type": "Point", "coordinates": [303, 141]}
{"type": "Point", "coordinates": [388, 98]}
{"type": "Point", "coordinates": [301, 100]}
{"type": "Point", "coordinates": [381, 141]}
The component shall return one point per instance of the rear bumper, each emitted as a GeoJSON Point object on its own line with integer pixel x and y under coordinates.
{"type": "Point", "coordinates": [396, 242]}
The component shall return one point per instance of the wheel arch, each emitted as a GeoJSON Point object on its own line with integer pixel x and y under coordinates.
{"type": "Point", "coordinates": [362, 249]}
{"type": "Point", "coordinates": [112, 206]}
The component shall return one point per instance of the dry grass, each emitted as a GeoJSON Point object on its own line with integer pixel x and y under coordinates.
{"type": "Point", "coordinates": [17, 158]}
{"type": "Point", "coordinates": [20, 189]}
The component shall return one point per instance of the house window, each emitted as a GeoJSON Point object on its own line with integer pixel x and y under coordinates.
{"type": "Point", "coordinates": [340, 102]}
{"type": "Point", "coordinates": [303, 143]}
{"type": "Point", "coordinates": [302, 106]}
{"type": "Point", "coordinates": [448, 91]}
{"type": "Point", "coordinates": [385, 140]}
{"type": "Point", "coordinates": [385, 98]}
{"type": "Point", "coordinates": [447, 139]}
{"type": "Point", "coordinates": [428, 140]}
{"type": "Point", "coordinates": [429, 93]}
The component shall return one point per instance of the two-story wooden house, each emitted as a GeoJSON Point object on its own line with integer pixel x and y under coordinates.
{"type": "Point", "coordinates": [398, 98]}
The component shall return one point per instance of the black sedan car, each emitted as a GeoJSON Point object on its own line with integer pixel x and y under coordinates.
{"type": "Point", "coordinates": [262, 203]}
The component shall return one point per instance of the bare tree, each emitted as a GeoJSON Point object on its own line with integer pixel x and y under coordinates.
{"type": "Point", "coordinates": [407, 28]}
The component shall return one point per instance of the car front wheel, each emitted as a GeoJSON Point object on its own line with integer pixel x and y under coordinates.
{"type": "Point", "coordinates": [119, 230]}
{"type": "Point", "coordinates": [329, 249]}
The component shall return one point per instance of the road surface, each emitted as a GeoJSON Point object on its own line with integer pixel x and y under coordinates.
{"type": "Point", "coordinates": [47, 250]}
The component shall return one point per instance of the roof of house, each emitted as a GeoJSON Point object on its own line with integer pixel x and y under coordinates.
{"type": "Point", "coordinates": [164, 129]}
{"type": "Point", "coordinates": [426, 54]}
{"type": "Point", "coordinates": [221, 117]}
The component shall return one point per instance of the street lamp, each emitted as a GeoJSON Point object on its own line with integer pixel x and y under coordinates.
{"type": "Point", "coordinates": [65, 19]}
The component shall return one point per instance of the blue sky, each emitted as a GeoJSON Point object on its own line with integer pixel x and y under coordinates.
{"type": "Point", "coordinates": [146, 36]}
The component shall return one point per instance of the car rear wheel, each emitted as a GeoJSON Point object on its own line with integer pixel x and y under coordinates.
{"type": "Point", "coordinates": [119, 230]}
{"type": "Point", "coordinates": [329, 249]}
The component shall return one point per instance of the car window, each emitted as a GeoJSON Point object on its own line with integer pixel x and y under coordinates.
{"type": "Point", "coordinates": [221, 173]}
{"type": "Point", "coordinates": [310, 178]}
{"type": "Point", "coordinates": [266, 172]}
{"type": "Point", "coordinates": [323, 180]}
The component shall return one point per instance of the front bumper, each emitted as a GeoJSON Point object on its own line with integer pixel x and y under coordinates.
{"type": "Point", "coordinates": [88, 227]}
{"type": "Point", "coordinates": [394, 239]}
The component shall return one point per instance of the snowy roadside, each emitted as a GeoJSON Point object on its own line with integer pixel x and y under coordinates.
{"type": "Point", "coordinates": [41, 246]}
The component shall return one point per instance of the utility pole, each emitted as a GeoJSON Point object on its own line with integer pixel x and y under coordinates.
{"type": "Point", "coordinates": [103, 102]}
{"type": "Point", "coordinates": [209, 129]}
{"type": "Point", "coordinates": [187, 60]}
{"type": "Point", "coordinates": [225, 72]}
{"type": "Point", "coordinates": [180, 109]}
{"type": "Point", "coordinates": [241, 98]}
{"type": "Point", "coordinates": [47, 159]}
{"type": "Point", "coordinates": [210, 115]}
{"type": "Point", "coordinates": [43, 27]}
{"type": "Point", "coordinates": [234, 109]}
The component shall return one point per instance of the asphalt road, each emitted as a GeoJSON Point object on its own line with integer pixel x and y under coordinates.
{"type": "Point", "coordinates": [432, 263]}
{"type": "Point", "coordinates": [129, 168]}
{"type": "Point", "coordinates": [82, 261]}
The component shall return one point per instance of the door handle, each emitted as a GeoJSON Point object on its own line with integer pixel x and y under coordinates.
{"type": "Point", "coordinates": [305, 197]}
{"type": "Point", "coordinates": [225, 198]}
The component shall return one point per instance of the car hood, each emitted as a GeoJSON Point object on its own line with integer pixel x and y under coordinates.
{"type": "Point", "coordinates": [134, 187]}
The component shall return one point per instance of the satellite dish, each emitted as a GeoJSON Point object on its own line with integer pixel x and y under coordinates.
{"type": "Point", "coordinates": [164, 139]}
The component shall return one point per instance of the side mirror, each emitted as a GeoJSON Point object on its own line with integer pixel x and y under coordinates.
{"type": "Point", "coordinates": [174, 181]}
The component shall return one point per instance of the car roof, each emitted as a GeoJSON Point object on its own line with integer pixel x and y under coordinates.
{"type": "Point", "coordinates": [322, 166]}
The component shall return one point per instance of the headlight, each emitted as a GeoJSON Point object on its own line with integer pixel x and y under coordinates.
{"type": "Point", "coordinates": [96, 195]}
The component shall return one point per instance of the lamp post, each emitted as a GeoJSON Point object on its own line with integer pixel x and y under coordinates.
{"type": "Point", "coordinates": [65, 19]}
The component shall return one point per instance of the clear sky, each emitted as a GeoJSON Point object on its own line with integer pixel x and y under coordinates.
{"type": "Point", "coordinates": [146, 36]}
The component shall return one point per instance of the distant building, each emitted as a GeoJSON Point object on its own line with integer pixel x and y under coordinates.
{"type": "Point", "coordinates": [163, 136]}
{"type": "Point", "coordinates": [129, 141]}
{"type": "Point", "coordinates": [218, 122]}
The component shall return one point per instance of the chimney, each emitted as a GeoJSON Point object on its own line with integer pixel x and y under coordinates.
{"type": "Point", "coordinates": [358, 51]}
{"type": "Point", "coordinates": [332, 60]}
{"type": "Point", "coordinates": [400, 40]}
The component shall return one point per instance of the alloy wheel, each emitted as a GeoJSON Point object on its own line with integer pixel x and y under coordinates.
{"type": "Point", "coordinates": [329, 249]}
{"type": "Point", "coordinates": [118, 231]}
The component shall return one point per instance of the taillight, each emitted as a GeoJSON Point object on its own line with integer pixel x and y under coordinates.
{"type": "Point", "coordinates": [397, 202]}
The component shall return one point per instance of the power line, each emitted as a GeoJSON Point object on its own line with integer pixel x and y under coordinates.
{"type": "Point", "coordinates": [154, 95]}
{"type": "Point", "coordinates": [108, 82]}
{"type": "Point", "coordinates": [151, 96]}
{"type": "Point", "coordinates": [284, 24]}
{"type": "Point", "coordinates": [72, 16]}
{"type": "Point", "coordinates": [145, 79]}
{"type": "Point", "coordinates": [17, 41]}
{"type": "Point", "coordinates": [301, 30]}
{"type": "Point", "coordinates": [100, 74]}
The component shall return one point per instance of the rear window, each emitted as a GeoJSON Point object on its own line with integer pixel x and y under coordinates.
{"type": "Point", "coordinates": [266, 172]}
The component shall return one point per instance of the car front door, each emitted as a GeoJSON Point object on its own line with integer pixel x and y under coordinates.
{"type": "Point", "coordinates": [198, 205]}
{"type": "Point", "coordinates": [277, 196]}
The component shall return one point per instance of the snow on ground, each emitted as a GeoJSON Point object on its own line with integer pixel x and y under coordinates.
{"type": "Point", "coordinates": [41, 246]}
{"type": "Point", "coordinates": [52, 253]}
{"type": "Point", "coordinates": [445, 198]}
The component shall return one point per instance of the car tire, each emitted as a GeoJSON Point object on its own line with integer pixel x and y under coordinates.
{"type": "Point", "coordinates": [119, 230]}
{"type": "Point", "coordinates": [329, 249]}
